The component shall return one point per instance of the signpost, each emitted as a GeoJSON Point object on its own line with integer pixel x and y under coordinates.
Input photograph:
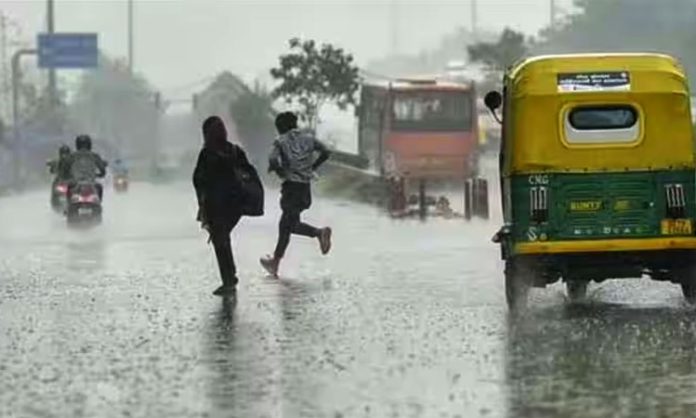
{"type": "Point", "coordinates": [55, 51]}
{"type": "Point", "coordinates": [68, 50]}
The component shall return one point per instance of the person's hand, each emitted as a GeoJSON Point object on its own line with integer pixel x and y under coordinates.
{"type": "Point", "coordinates": [200, 217]}
{"type": "Point", "coordinates": [206, 227]}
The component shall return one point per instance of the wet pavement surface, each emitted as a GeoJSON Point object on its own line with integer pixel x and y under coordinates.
{"type": "Point", "coordinates": [403, 319]}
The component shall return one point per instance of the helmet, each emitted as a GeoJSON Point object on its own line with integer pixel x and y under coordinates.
{"type": "Point", "coordinates": [64, 150]}
{"type": "Point", "coordinates": [83, 142]}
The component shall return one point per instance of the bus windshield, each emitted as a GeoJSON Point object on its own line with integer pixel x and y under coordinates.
{"type": "Point", "coordinates": [432, 111]}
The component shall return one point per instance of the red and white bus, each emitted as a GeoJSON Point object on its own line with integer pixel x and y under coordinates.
{"type": "Point", "coordinates": [418, 131]}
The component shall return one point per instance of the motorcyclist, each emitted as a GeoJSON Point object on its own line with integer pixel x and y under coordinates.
{"type": "Point", "coordinates": [85, 165]}
{"type": "Point", "coordinates": [61, 165]}
{"type": "Point", "coordinates": [119, 169]}
{"type": "Point", "coordinates": [60, 168]}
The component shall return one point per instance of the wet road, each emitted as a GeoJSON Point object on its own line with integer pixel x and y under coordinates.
{"type": "Point", "coordinates": [404, 319]}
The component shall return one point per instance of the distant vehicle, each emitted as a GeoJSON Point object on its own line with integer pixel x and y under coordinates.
{"type": "Point", "coordinates": [418, 131]}
{"type": "Point", "coordinates": [120, 183]}
{"type": "Point", "coordinates": [597, 172]}
{"type": "Point", "coordinates": [119, 172]}
{"type": "Point", "coordinates": [84, 205]}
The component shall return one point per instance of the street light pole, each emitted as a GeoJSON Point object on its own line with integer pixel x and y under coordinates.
{"type": "Point", "coordinates": [552, 14]}
{"type": "Point", "coordinates": [50, 26]}
{"type": "Point", "coordinates": [130, 36]}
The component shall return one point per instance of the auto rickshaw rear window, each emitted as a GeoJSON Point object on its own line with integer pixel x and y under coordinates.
{"type": "Point", "coordinates": [603, 118]}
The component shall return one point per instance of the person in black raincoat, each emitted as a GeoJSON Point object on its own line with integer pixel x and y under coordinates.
{"type": "Point", "coordinates": [219, 192]}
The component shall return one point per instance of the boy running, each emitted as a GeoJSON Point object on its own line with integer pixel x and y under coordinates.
{"type": "Point", "coordinates": [293, 160]}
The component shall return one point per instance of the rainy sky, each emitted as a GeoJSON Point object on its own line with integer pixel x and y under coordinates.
{"type": "Point", "coordinates": [181, 41]}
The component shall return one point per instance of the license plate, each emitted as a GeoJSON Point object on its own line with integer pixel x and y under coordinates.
{"type": "Point", "coordinates": [84, 211]}
{"type": "Point", "coordinates": [677, 227]}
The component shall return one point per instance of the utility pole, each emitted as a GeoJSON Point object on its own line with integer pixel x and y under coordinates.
{"type": "Point", "coordinates": [130, 36]}
{"type": "Point", "coordinates": [552, 14]}
{"type": "Point", "coordinates": [474, 20]}
{"type": "Point", "coordinates": [50, 26]}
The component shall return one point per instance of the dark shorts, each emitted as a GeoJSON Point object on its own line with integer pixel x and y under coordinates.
{"type": "Point", "coordinates": [295, 197]}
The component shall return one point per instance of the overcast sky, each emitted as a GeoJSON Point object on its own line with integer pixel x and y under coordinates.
{"type": "Point", "coordinates": [181, 41]}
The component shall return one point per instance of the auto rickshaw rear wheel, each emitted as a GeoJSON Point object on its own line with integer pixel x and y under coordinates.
{"type": "Point", "coordinates": [687, 278]}
{"type": "Point", "coordinates": [577, 289]}
{"type": "Point", "coordinates": [518, 279]}
{"type": "Point", "coordinates": [689, 290]}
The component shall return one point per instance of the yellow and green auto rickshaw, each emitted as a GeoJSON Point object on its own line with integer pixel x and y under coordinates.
{"type": "Point", "coordinates": [597, 172]}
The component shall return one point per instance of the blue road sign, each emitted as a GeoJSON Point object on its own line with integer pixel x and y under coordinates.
{"type": "Point", "coordinates": [68, 50]}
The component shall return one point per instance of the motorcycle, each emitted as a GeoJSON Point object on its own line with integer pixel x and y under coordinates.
{"type": "Point", "coordinates": [84, 204]}
{"type": "Point", "coordinates": [120, 183]}
{"type": "Point", "coordinates": [59, 196]}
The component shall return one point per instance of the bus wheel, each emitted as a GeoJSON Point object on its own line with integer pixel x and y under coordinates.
{"type": "Point", "coordinates": [397, 196]}
{"type": "Point", "coordinates": [577, 290]}
{"type": "Point", "coordinates": [468, 199]}
{"type": "Point", "coordinates": [518, 278]}
{"type": "Point", "coordinates": [481, 193]}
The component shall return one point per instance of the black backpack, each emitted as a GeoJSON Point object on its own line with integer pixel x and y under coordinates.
{"type": "Point", "coordinates": [250, 190]}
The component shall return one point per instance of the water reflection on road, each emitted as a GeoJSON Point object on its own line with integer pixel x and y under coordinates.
{"type": "Point", "coordinates": [601, 360]}
{"type": "Point", "coordinates": [405, 318]}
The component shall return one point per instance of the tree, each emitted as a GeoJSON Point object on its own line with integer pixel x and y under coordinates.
{"type": "Point", "coordinates": [499, 55]}
{"type": "Point", "coordinates": [452, 47]}
{"type": "Point", "coordinates": [627, 25]}
{"type": "Point", "coordinates": [252, 113]}
{"type": "Point", "coordinates": [117, 107]}
{"type": "Point", "coordinates": [311, 76]}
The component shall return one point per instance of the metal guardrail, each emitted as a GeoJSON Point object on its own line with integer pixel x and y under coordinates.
{"type": "Point", "coordinates": [353, 160]}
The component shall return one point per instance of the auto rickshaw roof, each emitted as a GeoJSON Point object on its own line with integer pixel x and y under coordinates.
{"type": "Point", "coordinates": [538, 75]}
{"type": "Point", "coordinates": [545, 88]}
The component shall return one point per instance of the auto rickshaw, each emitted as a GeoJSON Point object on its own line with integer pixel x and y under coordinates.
{"type": "Point", "coordinates": [597, 172]}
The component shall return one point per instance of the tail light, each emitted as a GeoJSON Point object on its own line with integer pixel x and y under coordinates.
{"type": "Point", "coordinates": [539, 203]}
{"type": "Point", "coordinates": [676, 200]}
{"type": "Point", "coordinates": [86, 195]}
{"type": "Point", "coordinates": [62, 188]}
{"type": "Point", "coordinates": [81, 198]}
